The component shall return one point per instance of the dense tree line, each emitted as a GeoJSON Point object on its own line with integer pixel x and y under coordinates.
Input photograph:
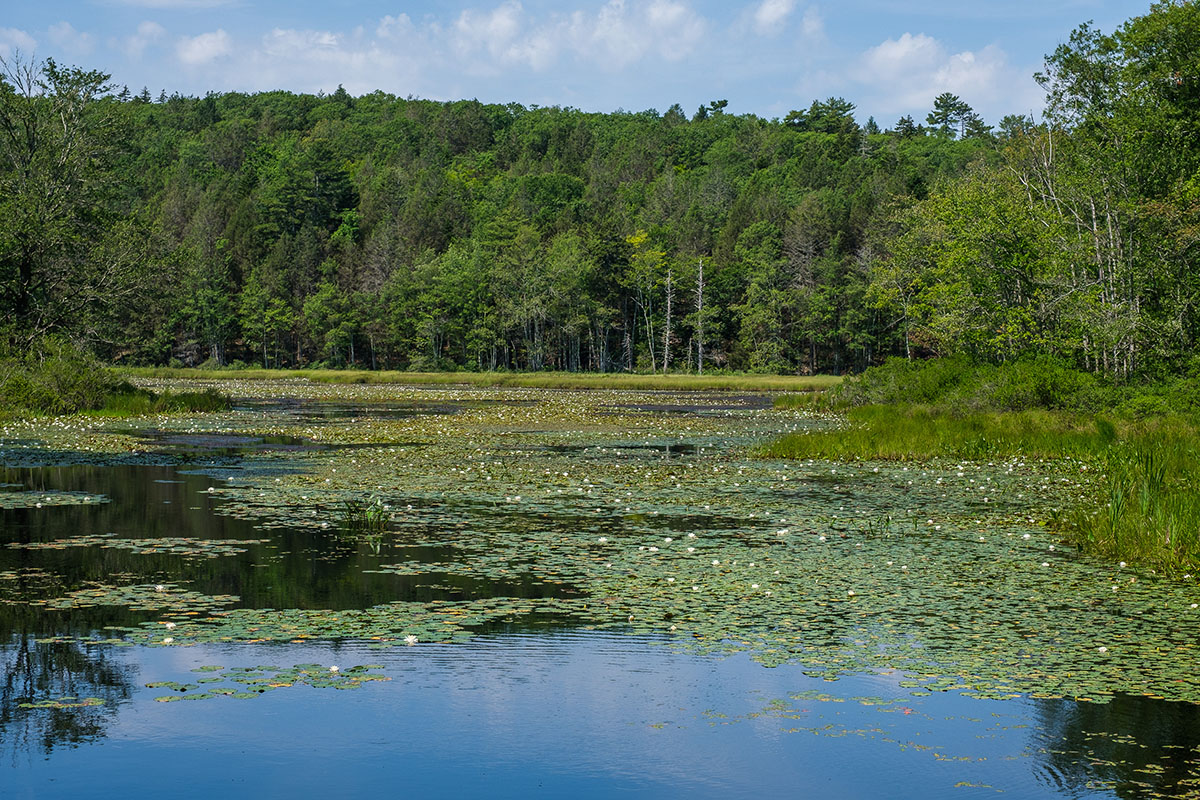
{"type": "Point", "coordinates": [387, 232]}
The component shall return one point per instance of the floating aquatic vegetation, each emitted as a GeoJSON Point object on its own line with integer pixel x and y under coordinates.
{"type": "Point", "coordinates": [47, 499]}
{"type": "Point", "coordinates": [663, 522]}
{"type": "Point", "coordinates": [180, 546]}
{"type": "Point", "coordinates": [168, 598]}
{"type": "Point", "coordinates": [384, 625]}
{"type": "Point", "coordinates": [64, 702]}
{"type": "Point", "coordinates": [255, 681]}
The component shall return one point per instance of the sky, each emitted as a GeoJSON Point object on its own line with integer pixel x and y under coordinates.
{"type": "Point", "coordinates": [765, 57]}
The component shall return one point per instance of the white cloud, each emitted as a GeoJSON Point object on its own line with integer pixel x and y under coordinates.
{"type": "Point", "coordinates": [286, 43]}
{"type": "Point", "coordinates": [771, 14]}
{"type": "Point", "coordinates": [909, 72]}
{"type": "Point", "coordinates": [501, 34]}
{"type": "Point", "coordinates": [14, 40]}
{"type": "Point", "coordinates": [65, 37]}
{"type": "Point", "coordinates": [205, 48]}
{"type": "Point", "coordinates": [148, 33]}
{"type": "Point", "coordinates": [617, 36]}
{"type": "Point", "coordinates": [394, 27]}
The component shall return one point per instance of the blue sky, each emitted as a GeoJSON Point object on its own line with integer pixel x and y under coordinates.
{"type": "Point", "coordinates": [765, 56]}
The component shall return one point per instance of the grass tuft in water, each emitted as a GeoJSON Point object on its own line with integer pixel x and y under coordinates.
{"type": "Point", "coordinates": [1147, 511]}
{"type": "Point", "coordinates": [360, 518]}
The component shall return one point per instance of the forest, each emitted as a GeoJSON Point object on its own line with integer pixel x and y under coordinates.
{"type": "Point", "coordinates": [382, 232]}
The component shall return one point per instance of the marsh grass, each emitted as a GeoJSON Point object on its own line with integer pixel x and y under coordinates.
{"type": "Point", "coordinates": [1145, 507]}
{"type": "Point", "coordinates": [892, 433]}
{"type": "Point", "coordinates": [813, 399]}
{"type": "Point", "coordinates": [1147, 510]}
{"type": "Point", "coordinates": [532, 380]}
{"type": "Point", "coordinates": [129, 401]}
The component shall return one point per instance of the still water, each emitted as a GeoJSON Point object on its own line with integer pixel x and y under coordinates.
{"type": "Point", "coordinates": [549, 708]}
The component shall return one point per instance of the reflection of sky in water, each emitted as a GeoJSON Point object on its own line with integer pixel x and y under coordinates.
{"type": "Point", "coordinates": [564, 714]}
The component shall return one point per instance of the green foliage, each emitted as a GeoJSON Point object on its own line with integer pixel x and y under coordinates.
{"type": "Point", "coordinates": [400, 234]}
{"type": "Point", "coordinates": [958, 386]}
{"type": "Point", "coordinates": [51, 376]}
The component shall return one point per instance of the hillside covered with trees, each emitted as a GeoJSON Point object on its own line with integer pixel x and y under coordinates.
{"type": "Point", "coordinates": [384, 232]}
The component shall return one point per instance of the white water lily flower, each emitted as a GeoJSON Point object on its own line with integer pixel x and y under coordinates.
{"type": "Point", "coordinates": [168, 640]}
{"type": "Point", "coordinates": [1102, 649]}
{"type": "Point", "coordinates": [333, 669]}
{"type": "Point", "coordinates": [410, 640]}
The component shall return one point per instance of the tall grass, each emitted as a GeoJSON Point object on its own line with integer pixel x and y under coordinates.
{"type": "Point", "coordinates": [1147, 511]}
{"type": "Point", "coordinates": [128, 401]}
{"type": "Point", "coordinates": [893, 433]}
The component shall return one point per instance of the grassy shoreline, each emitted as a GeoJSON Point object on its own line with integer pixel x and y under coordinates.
{"type": "Point", "coordinates": [532, 380]}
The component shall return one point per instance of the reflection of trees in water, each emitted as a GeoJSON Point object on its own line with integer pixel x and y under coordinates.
{"type": "Point", "coordinates": [34, 672]}
{"type": "Point", "coordinates": [1139, 745]}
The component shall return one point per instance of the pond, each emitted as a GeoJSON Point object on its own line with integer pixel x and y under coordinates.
{"type": "Point", "coordinates": [481, 592]}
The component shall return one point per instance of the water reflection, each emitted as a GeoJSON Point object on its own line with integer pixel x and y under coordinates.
{"type": "Point", "coordinates": [1140, 746]}
{"type": "Point", "coordinates": [43, 687]}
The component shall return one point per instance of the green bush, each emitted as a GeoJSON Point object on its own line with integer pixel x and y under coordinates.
{"type": "Point", "coordinates": [956, 386]}
{"type": "Point", "coordinates": [52, 376]}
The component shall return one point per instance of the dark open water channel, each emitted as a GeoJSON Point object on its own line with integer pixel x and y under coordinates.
{"type": "Point", "coordinates": [551, 711]}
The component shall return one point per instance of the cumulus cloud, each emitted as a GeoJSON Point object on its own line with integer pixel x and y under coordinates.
{"type": "Point", "coordinates": [910, 71]}
{"type": "Point", "coordinates": [66, 38]}
{"type": "Point", "coordinates": [205, 48]}
{"type": "Point", "coordinates": [505, 36]}
{"type": "Point", "coordinates": [618, 35]}
{"type": "Point", "coordinates": [14, 40]}
{"type": "Point", "coordinates": [771, 14]}
{"type": "Point", "coordinates": [395, 27]}
{"type": "Point", "coordinates": [147, 33]}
